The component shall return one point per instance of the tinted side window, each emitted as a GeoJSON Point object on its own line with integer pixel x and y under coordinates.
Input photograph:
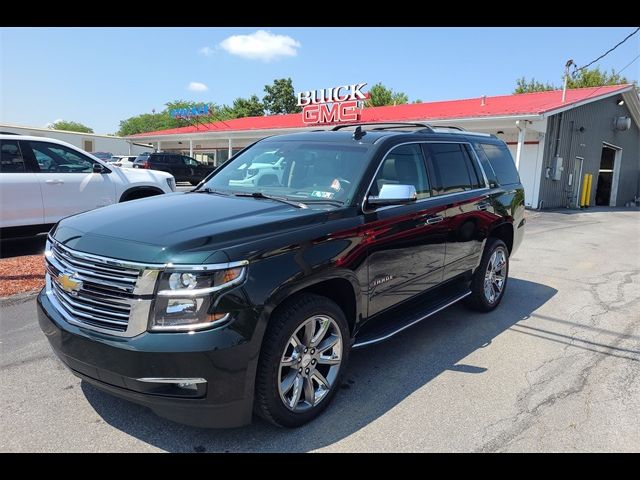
{"type": "Point", "coordinates": [404, 165]}
{"type": "Point", "coordinates": [486, 166]}
{"type": "Point", "coordinates": [11, 160]}
{"type": "Point", "coordinates": [52, 157]}
{"type": "Point", "coordinates": [452, 166]}
{"type": "Point", "coordinates": [502, 163]}
{"type": "Point", "coordinates": [477, 180]}
{"type": "Point", "coordinates": [157, 159]}
{"type": "Point", "coordinates": [190, 161]}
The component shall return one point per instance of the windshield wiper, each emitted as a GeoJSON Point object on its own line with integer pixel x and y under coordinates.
{"type": "Point", "coordinates": [270, 197]}
{"type": "Point", "coordinates": [324, 200]}
{"type": "Point", "coordinates": [209, 190]}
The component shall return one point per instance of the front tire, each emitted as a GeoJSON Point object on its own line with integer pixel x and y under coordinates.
{"type": "Point", "coordinates": [489, 281]}
{"type": "Point", "coordinates": [303, 358]}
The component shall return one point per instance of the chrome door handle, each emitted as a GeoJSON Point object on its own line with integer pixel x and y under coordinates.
{"type": "Point", "coordinates": [482, 206]}
{"type": "Point", "coordinates": [55, 181]}
{"type": "Point", "coordinates": [432, 220]}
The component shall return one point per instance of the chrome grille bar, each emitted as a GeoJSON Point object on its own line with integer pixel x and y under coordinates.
{"type": "Point", "coordinates": [105, 297]}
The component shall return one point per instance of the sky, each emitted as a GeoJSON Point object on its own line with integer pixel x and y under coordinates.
{"type": "Point", "coordinates": [100, 76]}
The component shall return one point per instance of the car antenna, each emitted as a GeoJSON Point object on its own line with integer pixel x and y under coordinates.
{"type": "Point", "coordinates": [358, 133]}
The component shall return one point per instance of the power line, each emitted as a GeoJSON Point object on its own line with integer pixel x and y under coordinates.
{"type": "Point", "coordinates": [629, 64]}
{"type": "Point", "coordinates": [606, 53]}
{"type": "Point", "coordinates": [622, 70]}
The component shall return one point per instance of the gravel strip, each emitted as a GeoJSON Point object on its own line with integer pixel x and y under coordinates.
{"type": "Point", "coordinates": [21, 274]}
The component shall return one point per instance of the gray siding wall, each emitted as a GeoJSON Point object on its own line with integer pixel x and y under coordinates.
{"type": "Point", "coordinates": [597, 120]}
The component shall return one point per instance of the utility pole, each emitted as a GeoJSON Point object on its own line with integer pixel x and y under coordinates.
{"type": "Point", "coordinates": [566, 79]}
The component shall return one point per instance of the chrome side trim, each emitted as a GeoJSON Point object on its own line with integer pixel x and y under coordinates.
{"type": "Point", "coordinates": [171, 380]}
{"type": "Point", "coordinates": [391, 334]}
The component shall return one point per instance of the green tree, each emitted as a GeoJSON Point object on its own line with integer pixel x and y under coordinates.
{"type": "Point", "coordinates": [594, 77]}
{"type": "Point", "coordinates": [527, 86]}
{"type": "Point", "coordinates": [589, 77]}
{"type": "Point", "coordinates": [149, 122]}
{"type": "Point", "coordinates": [417, 100]}
{"type": "Point", "coordinates": [70, 126]}
{"type": "Point", "coordinates": [247, 107]}
{"type": "Point", "coordinates": [379, 96]}
{"type": "Point", "coordinates": [280, 97]}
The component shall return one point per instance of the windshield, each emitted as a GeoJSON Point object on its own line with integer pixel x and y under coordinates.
{"type": "Point", "coordinates": [302, 171]}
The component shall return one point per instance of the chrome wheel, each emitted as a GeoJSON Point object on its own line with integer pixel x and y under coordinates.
{"type": "Point", "coordinates": [495, 275]}
{"type": "Point", "coordinates": [310, 363]}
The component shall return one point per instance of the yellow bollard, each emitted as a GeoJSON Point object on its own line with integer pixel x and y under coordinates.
{"type": "Point", "coordinates": [583, 195]}
{"type": "Point", "coordinates": [588, 201]}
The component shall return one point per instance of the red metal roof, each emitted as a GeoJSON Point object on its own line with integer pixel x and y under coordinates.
{"type": "Point", "coordinates": [503, 105]}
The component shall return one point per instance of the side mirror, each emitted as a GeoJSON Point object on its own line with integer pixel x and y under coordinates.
{"type": "Point", "coordinates": [98, 168]}
{"type": "Point", "coordinates": [394, 195]}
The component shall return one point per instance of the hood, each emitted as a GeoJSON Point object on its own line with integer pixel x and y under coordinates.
{"type": "Point", "coordinates": [179, 227]}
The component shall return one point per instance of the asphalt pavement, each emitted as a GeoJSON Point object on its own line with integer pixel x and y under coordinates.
{"type": "Point", "coordinates": [555, 368]}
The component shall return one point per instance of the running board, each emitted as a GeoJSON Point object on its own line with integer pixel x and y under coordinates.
{"type": "Point", "coordinates": [383, 330]}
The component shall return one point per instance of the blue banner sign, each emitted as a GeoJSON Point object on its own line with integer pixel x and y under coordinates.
{"type": "Point", "coordinates": [196, 111]}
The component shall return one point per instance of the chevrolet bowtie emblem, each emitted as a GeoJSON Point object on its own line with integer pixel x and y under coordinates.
{"type": "Point", "coordinates": [68, 283]}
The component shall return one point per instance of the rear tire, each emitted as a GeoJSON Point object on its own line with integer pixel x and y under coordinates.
{"type": "Point", "coordinates": [489, 281]}
{"type": "Point", "coordinates": [302, 361]}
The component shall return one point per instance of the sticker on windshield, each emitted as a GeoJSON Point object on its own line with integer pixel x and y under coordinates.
{"type": "Point", "coordinates": [335, 185]}
{"type": "Point", "coordinates": [319, 194]}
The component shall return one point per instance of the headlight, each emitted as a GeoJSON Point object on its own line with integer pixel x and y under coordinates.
{"type": "Point", "coordinates": [252, 172]}
{"type": "Point", "coordinates": [186, 298]}
{"type": "Point", "coordinates": [171, 181]}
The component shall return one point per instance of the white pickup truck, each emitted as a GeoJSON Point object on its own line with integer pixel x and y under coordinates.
{"type": "Point", "coordinates": [43, 180]}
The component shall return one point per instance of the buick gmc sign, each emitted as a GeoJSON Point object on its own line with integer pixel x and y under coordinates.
{"type": "Point", "coordinates": [332, 105]}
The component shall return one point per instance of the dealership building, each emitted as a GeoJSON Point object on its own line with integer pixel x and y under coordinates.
{"type": "Point", "coordinates": [89, 142]}
{"type": "Point", "coordinates": [555, 138]}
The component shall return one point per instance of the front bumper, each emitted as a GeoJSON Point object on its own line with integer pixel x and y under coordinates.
{"type": "Point", "coordinates": [223, 357]}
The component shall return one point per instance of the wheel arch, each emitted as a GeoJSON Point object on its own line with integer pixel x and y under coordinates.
{"type": "Point", "coordinates": [342, 289]}
{"type": "Point", "coordinates": [141, 191]}
{"type": "Point", "coordinates": [503, 231]}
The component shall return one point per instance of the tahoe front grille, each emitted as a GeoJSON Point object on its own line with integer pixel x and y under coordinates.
{"type": "Point", "coordinates": [93, 310]}
{"type": "Point", "coordinates": [93, 291]}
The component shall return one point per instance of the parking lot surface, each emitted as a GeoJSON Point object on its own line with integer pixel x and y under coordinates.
{"type": "Point", "coordinates": [555, 368]}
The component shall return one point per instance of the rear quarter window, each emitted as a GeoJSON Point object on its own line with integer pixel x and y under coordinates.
{"type": "Point", "coordinates": [502, 163]}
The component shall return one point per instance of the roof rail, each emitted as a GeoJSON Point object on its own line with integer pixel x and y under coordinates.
{"type": "Point", "coordinates": [391, 125]}
{"type": "Point", "coordinates": [467, 132]}
{"type": "Point", "coordinates": [451, 127]}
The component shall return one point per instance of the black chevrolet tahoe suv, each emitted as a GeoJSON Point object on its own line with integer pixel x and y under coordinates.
{"type": "Point", "coordinates": [213, 304]}
{"type": "Point", "coordinates": [183, 168]}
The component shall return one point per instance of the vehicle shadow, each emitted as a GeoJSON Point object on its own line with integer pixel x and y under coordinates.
{"type": "Point", "coordinates": [377, 379]}
{"type": "Point", "coordinates": [17, 247]}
